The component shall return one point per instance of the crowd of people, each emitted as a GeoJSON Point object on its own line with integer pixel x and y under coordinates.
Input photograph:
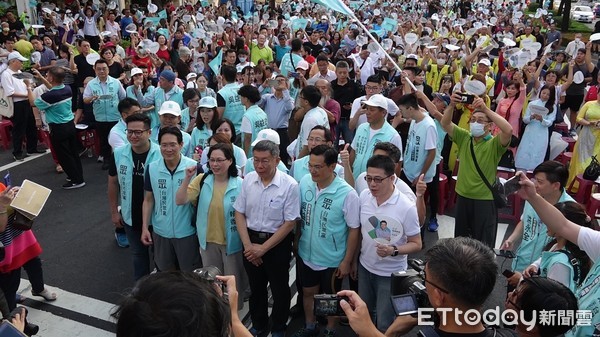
{"type": "Point", "coordinates": [241, 136]}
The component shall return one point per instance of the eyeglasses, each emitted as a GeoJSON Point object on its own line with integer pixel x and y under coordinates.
{"type": "Point", "coordinates": [217, 160]}
{"type": "Point", "coordinates": [376, 180]}
{"type": "Point", "coordinates": [194, 100]}
{"type": "Point", "coordinates": [136, 133]}
{"type": "Point", "coordinates": [371, 87]}
{"type": "Point", "coordinates": [478, 120]}
{"type": "Point", "coordinates": [433, 284]}
{"type": "Point", "coordinates": [262, 161]}
{"type": "Point", "coordinates": [316, 139]}
{"type": "Point", "coordinates": [315, 167]}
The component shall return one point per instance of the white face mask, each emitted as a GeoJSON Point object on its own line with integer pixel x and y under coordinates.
{"type": "Point", "coordinates": [441, 62]}
{"type": "Point", "coordinates": [477, 129]}
{"type": "Point", "coordinates": [577, 39]}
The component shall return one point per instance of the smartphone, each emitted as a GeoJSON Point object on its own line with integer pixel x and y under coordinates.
{"type": "Point", "coordinates": [466, 98]}
{"type": "Point", "coordinates": [508, 273]}
{"type": "Point", "coordinates": [504, 253]}
{"type": "Point", "coordinates": [9, 330]}
{"type": "Point", "coordinates": [7, 181]}
{"type": "Point", "coordinates": [328, 305]}
{"type": "Point", "coordinates": [405, 304]}
{"type": "Point", "coordinates": [294, 74]}
{"type": "Point", "coordinates": [512, 185]}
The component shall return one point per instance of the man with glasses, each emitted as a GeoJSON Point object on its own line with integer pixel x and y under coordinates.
{"type": "Point", "coordinates": [476, 212]}
{"type": "Point", "coordinates": [265, 213]}
{"type": "Point", "coordinates": [328, 231]}
{"type": "Point", "coordinates": [104, 92]}
{"type": "Point", "coordinates": [126, 186]}
{"type": "Point", "coordinates": [382, 256]}
{"type": "Point", "coordinates": [358, 112]}
{"type": "Point", "coordinates": [319, 135]}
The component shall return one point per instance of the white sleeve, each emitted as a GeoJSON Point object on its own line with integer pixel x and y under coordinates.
{"type": "Point", "coordinates": [397, 140]}
{"type": "Point", "coordinates": [355, 107]}
{"type": "Point", "coordinates": [360, 183]}
{"type": "Point", "coordinates": [392, 108]}
{"type": "Point", "coordinates": [352, 210]}
{"type": "Point", "coordinates": [7, 85]}
{"type": "Point", "coordinates": [561, 273]}
{"type": "Point", "coordinates": [431, 138]}
{"type": "Point", "coordinates": [406, 190]}
{"type": "Point", "coordinates": [246, 125]}
{"type": "Point", "coordinates": [537, 262]}
{"type": "Point", "coordinates": [589, 241]}
{"type": "Point", "coordinates": [87, 92]}
{"type": "Point", "coordinates": [114, 140]}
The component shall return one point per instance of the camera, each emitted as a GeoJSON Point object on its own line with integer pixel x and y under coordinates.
{"type": "Point", "coordinates": [328, 305]}
{"type": "Point", "coordinates": [466, 98]}
{"type": "Point", "coordinates": [210, 274]}
{"type": "Point", "coordinates": [411, 281]}
{"type": "Point", "coordinates": [30, 329]}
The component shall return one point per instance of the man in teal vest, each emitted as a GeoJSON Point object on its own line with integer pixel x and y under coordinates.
{"type": "Point", "coordinates": [166, 91]}
{"type": "Point", "coordinates": [229, 104]}
{"type": "Point", "coordinates": [174, 238]}
{"type": "Point", "coordinates": [126, 187]}
{"type": "Point", "coordinates": [376, 130]}
{"type": "Point", "coordinates": [170, 115]}
{"type": "Point", "coordinates": [104, 92]}
{"type": "Point", "coordinates": [550, 178]}
{"type": "Point", "coordinates": [329, 233]}
{"type": "Point", "coordinates": [254, 120]}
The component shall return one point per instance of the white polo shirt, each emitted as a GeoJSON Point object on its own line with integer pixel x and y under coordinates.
{"type": "Point", "coordinates": [401, 215]}
{"type": "Point", "coordinates": [12, 85]}
{"type": "Point", "coordinates": [267, 208]}
{"type": "Point", "coordinates": [392, 109]}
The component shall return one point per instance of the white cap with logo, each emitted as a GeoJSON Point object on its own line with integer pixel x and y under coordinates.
{"type": "Point", "coordinates": [267, 134]}
{"type": "Point", "coordinates": [377, 100]}
{"type": "Point", "coordinates": [170, 107]}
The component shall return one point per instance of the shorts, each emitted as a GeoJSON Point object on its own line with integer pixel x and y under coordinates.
{"type": "Point", "coordinates": [572, 102]}
{"type": "Point", "coordinates": [326, 280]}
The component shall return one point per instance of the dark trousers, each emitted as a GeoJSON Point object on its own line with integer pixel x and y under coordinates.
{"type": "Point", "coordinates": [284, 142]}
{"type": "Point", "coordinates": [343, 131]}
{"type": "Point", "coordinates": [434, 193]}
{"type": "Point", "coordinates": [64, 141]}
{"type": "Point", "coordinates": [75, 97]}
{"type": "Point", "coordinates": [9, 283]}
{"type": "Point", "coordinates": [273, 271]}
{"type": "Point", "coordinates": [23, 122]}
{"type": "Point", "coordinates": [35, 274]}
{"type": "Point", "coordinates": [140, 252]}
{"type": "Point", "coordinates": [477, 219]}
{"type": "Point", "coordinates": [103, 129]}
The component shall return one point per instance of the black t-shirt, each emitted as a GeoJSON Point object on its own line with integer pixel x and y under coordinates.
{"type": "Point", "coordinates": [13, 36]}
{"type": "Point", "coordinates": [115, 70]}
{"type": "Point", "coordinates": [315, 48]}
{"type": "Point", "coordinates": [346, 93]}
{"type": "Point", "coordinates": [84, 69]}
{"type": "Point", "coordinates": [137, 186]}
{"type": "Point", "coordinates": [15, 26]}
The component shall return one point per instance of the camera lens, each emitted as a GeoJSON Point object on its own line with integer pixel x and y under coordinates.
{"type": "Point", "coordinates": [209, 273]}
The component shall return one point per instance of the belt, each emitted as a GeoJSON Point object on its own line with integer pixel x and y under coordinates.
{"type": "Point", "coordinates": [259, 235]}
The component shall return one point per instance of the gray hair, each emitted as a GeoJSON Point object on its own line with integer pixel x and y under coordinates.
{"type": "Point", "coordinates": [267, 145]}
{"type": "Point", "coordinates": [184, 51]}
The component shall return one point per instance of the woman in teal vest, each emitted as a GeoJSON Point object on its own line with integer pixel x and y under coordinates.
{"type": "Point", "coordinates": [213, 194]}
{"type": "Point", "coordinates": [206, 119]}
{"type": "Point", "coordinates": [191, 99]}
{"type": "Point", "coordinates": [226, 127]}
{"type": "Point", "coordinates": [557, 259]}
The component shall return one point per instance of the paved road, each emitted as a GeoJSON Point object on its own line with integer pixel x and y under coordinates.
{"type": "Point", "coordinates": [83, 263]}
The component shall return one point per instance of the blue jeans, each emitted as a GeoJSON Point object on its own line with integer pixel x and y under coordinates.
{"type": "Point", "coordinates": [375, 290]}
{"type": "Point", "coordinates": [141, 254]}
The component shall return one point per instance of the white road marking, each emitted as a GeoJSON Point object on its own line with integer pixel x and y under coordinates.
{"type": "Point", "coordinates": [56, 326]}
{"type": "Point", "coordinates": [28, 159]}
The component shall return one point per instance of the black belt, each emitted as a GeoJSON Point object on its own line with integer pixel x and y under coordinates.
{"type": "Point", "coordinates": [259, 235]}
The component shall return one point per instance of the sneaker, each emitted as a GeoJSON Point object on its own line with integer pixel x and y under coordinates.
{"type": "Point", "coordinates": [122, 240]}
{"type": "Point", "coordinates": [329, 333]}
{"type": "Point", "coordinates": [71, 185]}
{"type": "Point", "coordinates": [20, 157]}
{"type": "Point", "coordinates": [100, 159]}
{"type": "Point", "coordinates": [304, 332]}
{"type": "Point", "coordinates": [36, 151]}
{"type": "Point", "coordinates": [433, 225]}
{"type": "Point", "coordinates": [47, 295]}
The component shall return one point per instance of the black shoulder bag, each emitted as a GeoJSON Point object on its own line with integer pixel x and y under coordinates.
{"type": "Point", "coordinates": [592, 172]}
{"type": "Point", "coordinates": [497, 189]}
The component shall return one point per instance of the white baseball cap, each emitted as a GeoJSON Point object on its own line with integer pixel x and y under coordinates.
{"type": "Point", "coordinates": [377, 100]}
{"type": "Point", "coordinates": [302, 64]}
{"type": "Point", "coordinates": [136, 71]}
{"type": "Point", "coordinates": [208, 102]}
{"type": "Point", "coordinates": [267, 134]}
{"type": "Point", "coordinates": [170, 107]}
{"type": "Point", "coordinates": [191, 75]}
{"type": "Point", "coordinates": [485, 62]}
{"type": "Point", "coordinates": [15, 55]}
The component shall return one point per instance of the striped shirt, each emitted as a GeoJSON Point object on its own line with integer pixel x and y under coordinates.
{"type": "Point", "coordinates": [57, 104]}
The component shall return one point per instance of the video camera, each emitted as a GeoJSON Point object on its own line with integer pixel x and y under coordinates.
{"type": "Point", "coordinates": [411, 281]}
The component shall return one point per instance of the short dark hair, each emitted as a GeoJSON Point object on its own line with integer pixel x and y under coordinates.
{"type": "Point", "coordinates": [322, 57]}
{"type": "Point", "coordinates": [296, 45]}
{"type": "Point", "coordinates": [312, 94]}
{"type": "Point", "coordinates": [392, 150]}
{"type": "Point", "coordinates": [227, 150]}
{"type": "Point", "coordinates": [190, 93]}
{"type": "Point", "coordinates": [58, 74]}
{"type": "Point", "coordinates": [330, 155]}
{"type": "Point", "coordinates": [126, 104]}
{"type": "Point", "coordinates": [229, 73]}
{"type": "Point", "coordinates": [327, 131]}
{"type": "Point", "coordinates": [170, 130]}
{"type": "Point", "coordinates": [100, 61]}
{"type": "Point", "coordinates": [139, 117]}
{"type": "Point", "coordinates": [267, 146]}
{"type": "Point", "coordinates": [382, 162]}
{"type": "Point", "coordinates": [408, 100]}
{"type": "Point", "coordinates": [555, 172]}
{"type": "Point", "coordinates": [220, 122]}
{"type": "Point", "coordinates": [374, 79]}
{"type": "Point", "coordinates": [35, 37]}
{"type": "Point", "coordinates": [229, 51]}
{"type": "Point", "coordinates": [173, 303]}
{"type": "Point", "coordinates": [466, 266]}
{"type": "Point", "coordinates": [250, 92]}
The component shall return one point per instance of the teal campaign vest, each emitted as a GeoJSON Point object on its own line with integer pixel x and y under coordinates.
{"type": "Point", "coordinates": [124, 165]}
{"type": "Point", "coordinates": [200, 137]}
{"type": "Point", "coordinates": [160, 98]}
{"type": "Point", "coordinates": [169, 220]}
{"type": "Point", "coordinates": [324, 229]}
{"type": "Point", "coordinates": [364, 146]}
{"type": "Point", "coordinates": [301, 168]}
{"type": "Point", "coordinates": [588, 298]}
{"type": "Point", "coordinates": [232, 237]}
{"type": "Point", "coordinates": [186, 150]}
{"type": "Point", "coordinates": [185, 119]}
{"type": "Point", "coordinates": [551, 258]}
{"type": "Point", "coordinates": [535, 236]}
{"type": "Point", "coordinates": [234, 110]}
{"type": "Point", "coordinates": [258, 120]}
{"type": "Point", "coordinates": [106, 110]}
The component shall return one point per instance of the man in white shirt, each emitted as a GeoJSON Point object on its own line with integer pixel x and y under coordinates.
{"type": "Point", "coordinates": [324, 72]}
{"type": "Point", "coordinates": [265, 213]}
{"type": "Point", "coordinates": [364, 65]}
{"type": "Point", "coordinates": [574, 45]}
{"type": "Point", "coordinates": [309, 97]}
{"type": "Point", "coordinates": [23, 120]}
{"type": "Point", "coordinates": [358, 114]}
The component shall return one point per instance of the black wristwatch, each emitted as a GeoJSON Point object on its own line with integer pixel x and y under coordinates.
{"type": "Point", "coordinates": [395, 253]}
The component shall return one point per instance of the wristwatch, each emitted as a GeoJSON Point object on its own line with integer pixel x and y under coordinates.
{"type": "Point", "coordinates": [395, 253]}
